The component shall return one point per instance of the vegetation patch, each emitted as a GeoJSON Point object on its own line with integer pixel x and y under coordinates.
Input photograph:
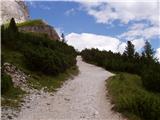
{"type": "Point", "coordinates": [11, 95]}
{"type": "Point", "coordinates": [131, 98]}
{"type": "Point", "coordinates": [36, 22]}
{"type": "Point", "coordinates": [143, 64]}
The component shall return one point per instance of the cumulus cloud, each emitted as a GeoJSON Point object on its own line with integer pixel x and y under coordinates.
{"type": "Point", "coordinates": [88, 40]}
{"type": "Point", "coordinates": [107, 11]}
{"type": "Point", "coordinates": [143, 16]}
{"type": "Point", "coordinates": [138, 43]}
{"type": "Point", "coordinates": [140, 31]}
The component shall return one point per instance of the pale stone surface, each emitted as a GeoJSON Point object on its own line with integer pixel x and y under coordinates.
{"type": "Point", "coordinates": [13, 8]}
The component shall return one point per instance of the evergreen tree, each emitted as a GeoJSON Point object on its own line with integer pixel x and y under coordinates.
{"type": "Point", "coordinates": [12, 26]}
{"type": "Point", "coordinates": [130, 51]}
{"type": "Point", "coordinates": [137, 56]}
{"type": "Point", "coordinates": [2, 32]}
{"type": "Point", "coordinates": [63, 38]}
{"type": "Point", "coordinates": [148, 51]}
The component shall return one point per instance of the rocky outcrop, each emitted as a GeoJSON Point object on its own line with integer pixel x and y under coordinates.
{"type": "Point", "coordinates": [44, 29]}
{"type": "Point", "coordinates": [19, 11]}
{"type": "Point", "coordinates": [19, 78]}
{"type": "Point", "coordinates": [13, 8]}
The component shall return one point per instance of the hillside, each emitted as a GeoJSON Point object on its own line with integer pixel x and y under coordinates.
{"type": "Point", "coordinates": [32, 64]}
{"type": "Point", "coordinates": [38, 26]}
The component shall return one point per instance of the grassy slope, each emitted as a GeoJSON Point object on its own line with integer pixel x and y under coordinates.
{"type": "Point", "coordinates": [35, 22]}
{"type": "Point", "coordinates": [131, 99]}
{"type": "Point", "coordinates": [31, 23]}
{"type": "Point", "coordinates": [37, 80]}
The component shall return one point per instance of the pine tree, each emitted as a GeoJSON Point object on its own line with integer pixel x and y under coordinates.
{"type": "Point", "coordinates": [63, 38]}
{"type": "Point", "coordinates": [2, 32]}
{"type": "Point", "coordinates": [148, 51]}
{"type": "Point", "coordinates": [12, 26]}
{"type": "Point", "coordinates": [130, 51]}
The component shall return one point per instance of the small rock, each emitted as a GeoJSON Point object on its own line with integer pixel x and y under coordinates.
{"type": "Point", "coordinates": [66, 99]}
{"type": "Point", "coordinates": [10, 117]}
{"type": "Point", "coordinates": [48, 103]}
{"type": "Point", "coordinates": [28, 106]}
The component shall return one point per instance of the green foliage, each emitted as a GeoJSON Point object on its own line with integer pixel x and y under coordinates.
{"type": "Point", "coordinates": [12, 26]}
{"type": "Point", "coordinates": [31, 23]}
{"type": "Point", "coordinates": [148, 51]}
{"type": "Point", "coordinates": [130, 51]}
{"type": "Point", "coordinates": [132, 99]}
{"type": "Point", "coordinates": [151, 77]}
{"type": "Point", "coordinates": [110, 61]}
{"type": "Point", "coordinates": [6, 83]}
{"type": "Point", "coordinates": [40, 53]}
{"type": "Point", "coordinates": [45, 60]}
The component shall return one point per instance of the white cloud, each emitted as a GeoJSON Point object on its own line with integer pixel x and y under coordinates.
{"type": "Point", "coordinates": [122, 47]}
{"type": "Point", "coordinates": [88, 40]}
{"type": "Point", "coordinates": [158, 54]}
{"type": "Point", "coordinates": [70, 12]}
{"type": "Point", "coordinates": [138, 26]}
{"type": "Point", "coordinates": [144, 16]}
{"type": "Point", "coordinates": [125, 11]}
{"type": "Point", "coordinates": [138, 43]}
{"type": "Point", "coordinates": [140, 31]}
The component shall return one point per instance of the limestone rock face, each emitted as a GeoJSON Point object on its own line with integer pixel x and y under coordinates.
{"type": "Point", "coordinates": [13, 8]}
{"type": "Point", "coordinates": [45, 29]}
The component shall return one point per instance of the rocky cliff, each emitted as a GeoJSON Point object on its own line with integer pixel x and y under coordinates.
{"type": "Point", "coordinates": [19, 11]}
{"type": "Point", "coordinates": [13, 8]}
{"type": "Point", "coordinates": [39, 26]}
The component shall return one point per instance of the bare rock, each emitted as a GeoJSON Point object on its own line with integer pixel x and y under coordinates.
{"type": "Point", "coordinates": [14, 8]}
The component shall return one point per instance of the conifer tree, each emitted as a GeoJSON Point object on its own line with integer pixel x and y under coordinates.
{"type": "Point", "coordinates": [12, 26]}
{"type": "Point", "coordinates": [63, 38]}
{"type": "Point", "coordinates": [148, 51]}
{"type": "Point", "coordinates": [130, 51]}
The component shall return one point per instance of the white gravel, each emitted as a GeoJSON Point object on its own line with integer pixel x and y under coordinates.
{"type": "Point", "coordinates": [82, 98]}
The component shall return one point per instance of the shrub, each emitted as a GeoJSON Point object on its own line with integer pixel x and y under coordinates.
{"type": "Point", "coordinates": [6, 83]}
{"type": "Point", "coordinates": [151, 78]}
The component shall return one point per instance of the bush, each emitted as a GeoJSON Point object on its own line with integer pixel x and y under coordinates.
{"type": "Point", "coordinates": [45, 60]}
{"type": "Point", "coordinates": [6, 83]}
{"type": "Point", "coordinates": [151, 78]}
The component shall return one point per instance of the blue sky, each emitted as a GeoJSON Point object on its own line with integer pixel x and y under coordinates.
{"type": "Point", "coordinates": [70, 17]}
{"type": "Point", "coordinates": [105, 25]}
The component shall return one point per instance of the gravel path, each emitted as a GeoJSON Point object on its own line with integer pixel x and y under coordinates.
{"type": "Point", "coordinates": [83, 97]}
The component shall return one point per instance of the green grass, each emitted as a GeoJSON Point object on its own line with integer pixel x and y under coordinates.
{"type": "Point", "coordinates": [36, 22]}
{"type": "Point", "coordinates": [131, 98]}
